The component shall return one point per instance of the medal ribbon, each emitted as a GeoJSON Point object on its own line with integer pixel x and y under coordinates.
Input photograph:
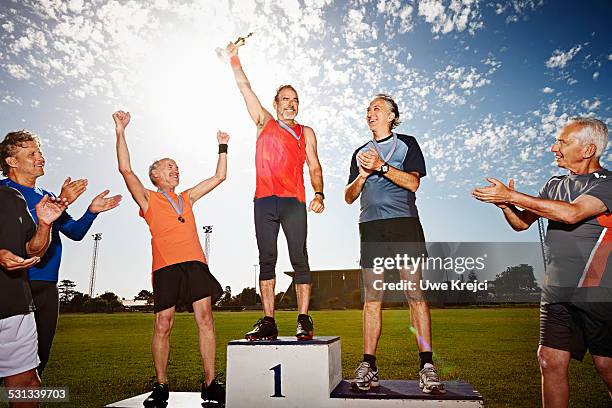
{"type": "Point", "coordinates": [179, 209]}
{"type": "Point", "coordinates": [379, 150]}
{"type": "Point", "coordinates": [288, 129]}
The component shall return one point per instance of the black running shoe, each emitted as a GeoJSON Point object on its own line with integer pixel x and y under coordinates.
{"type": "Point", "coordinates": [159, 396]}
{"type": "Point", "coordinates": [305, 328]}
{"type": "Point", "coordinates": [263, 330]}
{"type": "Point", "coordinates": [214, 394]}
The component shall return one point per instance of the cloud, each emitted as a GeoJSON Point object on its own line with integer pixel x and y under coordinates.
{"type": "Point", "coordinates": [516, 9]}
{"type": "Point", "coordinates": [9, 27]}
{"type": "Point", "coordinates": [356, 28]}
{"type": "Point", "coordinates": [595, 75]}
{"type": "Point", "coordinates": [458, 16]}
{"type": "Point", "coordinates": [548, 90]}
{"type": "Point", "coordinates": [17, 71]}
{"type": "Point", "coordinates": [559, 59]}
{"type": "Point", "coordinates": [590, 105]}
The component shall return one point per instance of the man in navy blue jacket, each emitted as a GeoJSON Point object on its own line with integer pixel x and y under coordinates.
{"type": "Point", "coordinates": [22, 161]}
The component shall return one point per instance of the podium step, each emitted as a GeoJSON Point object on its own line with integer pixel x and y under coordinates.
{"type": "Point", "coordinates": [176, 400]}
{"type": "Point", "coordinates": [287, 373]}
{"type": "Point", "coordinates": [458, 393]}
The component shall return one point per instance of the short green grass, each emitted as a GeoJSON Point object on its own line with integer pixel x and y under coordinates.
{"type": "Point", "coordinates": [103, 358]}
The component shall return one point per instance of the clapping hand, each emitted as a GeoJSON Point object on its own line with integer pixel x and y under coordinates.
{"type": "Point", "coordinates": [101, 203]}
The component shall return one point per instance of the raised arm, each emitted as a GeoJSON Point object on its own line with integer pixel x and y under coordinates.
{"type": "Point", "coordinates": [205, 186]}
{"type": "Point", "coordinates": [139, 193]}
{"type": "Point", "coordinates": [259, 115]}
{"type": "Point", "coordinates": [315, 170]}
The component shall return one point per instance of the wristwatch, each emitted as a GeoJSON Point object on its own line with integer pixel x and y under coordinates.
{"type": "Point", "coordinates": [320, 193]}
{"type": "Point", "coordinates": [384, 168]}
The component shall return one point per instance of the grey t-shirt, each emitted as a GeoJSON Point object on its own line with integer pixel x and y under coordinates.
{"type": "Point", "coordinates": [577, 254]}
{"type": "Point", "coordinates": [381, 198]}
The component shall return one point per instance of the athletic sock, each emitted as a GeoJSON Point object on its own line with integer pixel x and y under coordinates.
{"type": "Point", "coordinates": [269, 319]}
{"type": "Point", "coordinates": [425, 357]}
{"type": "Point", "coordinates": [302, 317]}
{"type": "Point", "coordinates": [371, 360]}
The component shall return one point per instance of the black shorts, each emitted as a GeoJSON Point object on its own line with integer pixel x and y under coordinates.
{"type": "Point", "coordinates": [390, 237]}
{"type": "Point", "coordinates": [182, 284]}
{"type": "Point", "coordinates": [569, 327]}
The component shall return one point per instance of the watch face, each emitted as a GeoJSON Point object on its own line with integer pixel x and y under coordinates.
{"type": "Point", "coordinates": [384, 168]}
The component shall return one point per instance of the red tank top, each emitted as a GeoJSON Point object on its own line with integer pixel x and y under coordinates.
{"type": "Point", "coordinates": [279, 160]}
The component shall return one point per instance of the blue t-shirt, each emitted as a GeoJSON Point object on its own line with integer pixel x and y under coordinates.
{"type": "Point", "coordinates": [381, 198]}
{"type": "Point", "coordinates": [48, 267]}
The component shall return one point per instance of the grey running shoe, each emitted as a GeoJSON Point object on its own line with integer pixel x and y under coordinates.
{"type": "Point", "coordinates": [429, 382]}
{"type": "Point", "coordinates": [365, 378]}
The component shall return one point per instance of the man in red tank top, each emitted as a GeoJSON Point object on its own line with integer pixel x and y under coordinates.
{"type": "Point", "coordinates": [282, 148]}
{"type": "Point", "coordinates": [180, 273]}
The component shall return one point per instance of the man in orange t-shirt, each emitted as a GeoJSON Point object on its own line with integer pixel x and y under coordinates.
{"type": "Point", "coordinates": [282, 148]}
{"type": "Point", "coordinates": [180, 272]}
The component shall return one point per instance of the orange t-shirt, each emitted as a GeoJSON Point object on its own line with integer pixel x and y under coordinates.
{"type": "Point", "coordinates": [279, 161]}
{"type": "Point", "coordinates": [172, 241]}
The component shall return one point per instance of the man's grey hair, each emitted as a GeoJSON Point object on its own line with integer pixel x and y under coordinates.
{"type": "Point", "coordinates": [592, 131]}
{"type": "Point", "coordinates": [392, 105]}
{"type": "Point", "coordinates": [154, 166]}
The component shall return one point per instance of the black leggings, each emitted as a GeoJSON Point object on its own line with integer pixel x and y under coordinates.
{"type": "Point", "coordinates": [270, 214]}
{"type": "Point", "coordinates": [46, 300]}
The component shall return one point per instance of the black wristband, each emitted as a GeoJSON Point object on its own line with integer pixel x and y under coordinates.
{"type": "Point", "coordinates": [321, 194]}
{"type": "Point", "coordinates": [222, 148]}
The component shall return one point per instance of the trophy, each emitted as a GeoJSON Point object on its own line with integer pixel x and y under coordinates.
{"type": "Point", "coordinates": [222, 52]}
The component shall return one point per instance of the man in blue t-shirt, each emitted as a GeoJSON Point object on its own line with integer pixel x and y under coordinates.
{"type": "Point", "coordinates": [385, 173]}
{"type": "Point", "coordinates": [22, 161]}
{"type": "Point", "coordinates": [576, 305]}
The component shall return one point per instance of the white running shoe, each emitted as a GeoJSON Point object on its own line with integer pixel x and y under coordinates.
{"type": "Point", "coordinates": [365, 377]}
{"type": "Point", "coordinates": [429, 382]}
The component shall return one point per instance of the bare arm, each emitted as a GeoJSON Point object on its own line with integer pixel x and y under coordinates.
{"type": "Point", "coordinates": [353, 190]}
{"type": "Point", "coordinates": [408, 180]}
{"type": "Point", "coordinates": [205, 186]}
{"type": "Point", "coordinates": [315, 170]}
{"type": "Point", "coordinates": [47, 210]}
{"type": "Point", "coordinates": [583, 207]}
{"type": "Point", "coordinates": [259, 115]}
{"type": "Point", "coordinates": [519, 220]}
{"type": "Point", "coordinates": [139, 193]}
{"type": "Point", "coordinates": [370, 160]}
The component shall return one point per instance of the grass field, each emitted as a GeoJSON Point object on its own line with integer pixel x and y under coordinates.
{"type": "Point", "coordinates": [103, 358]}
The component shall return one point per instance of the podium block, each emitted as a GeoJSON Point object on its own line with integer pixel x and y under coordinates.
{"type": "Point", "coordinates": [283, 372]}
{"type": "Point", "coordinates": [286, 373]}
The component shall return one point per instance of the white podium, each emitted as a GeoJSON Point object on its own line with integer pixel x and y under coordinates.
{"type": "Point", "coordinates": [305, 374]}
{"type": "Point", "coordinates": [283, 372]}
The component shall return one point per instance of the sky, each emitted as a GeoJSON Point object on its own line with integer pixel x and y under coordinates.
{"type": "Point", "coordinates": [484, 86]}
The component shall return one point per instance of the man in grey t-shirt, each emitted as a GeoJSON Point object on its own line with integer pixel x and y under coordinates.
{"type": "Point", "coordinates": [385, 173]}
{"type": "Point", "coordinates": [576, 307]}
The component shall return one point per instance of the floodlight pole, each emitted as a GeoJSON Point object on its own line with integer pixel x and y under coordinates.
{"type": "Point", "coordinates": [207, 237]}
{"type": "Point", "coordinates": [94, 263]}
